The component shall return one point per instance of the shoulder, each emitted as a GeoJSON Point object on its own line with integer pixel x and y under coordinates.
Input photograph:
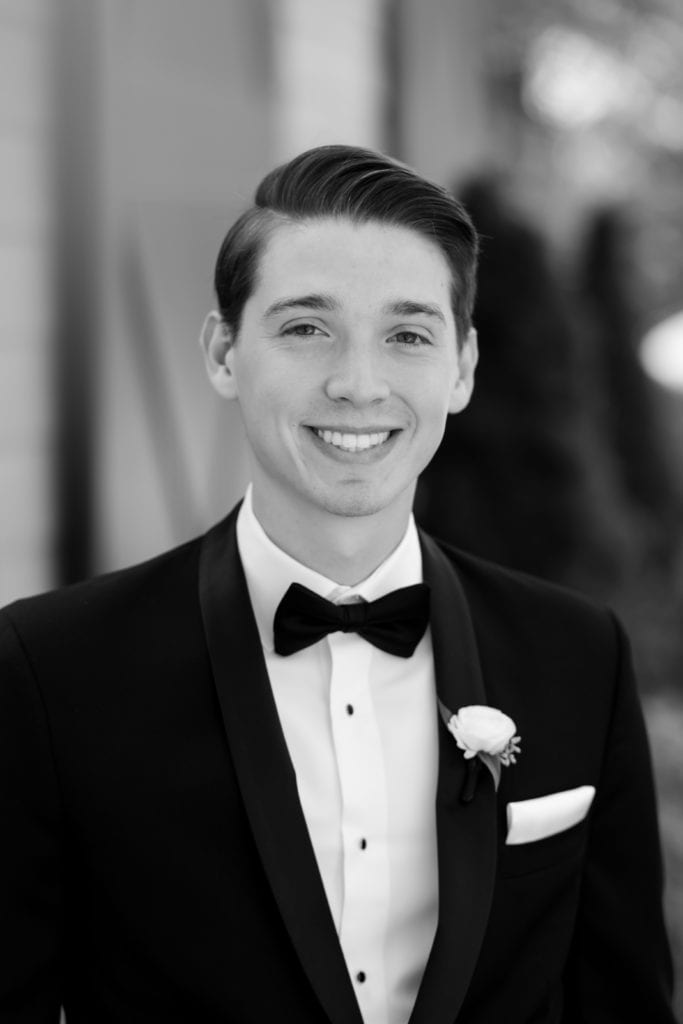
{"type": "Point", "coordinates": [556, 661]}
{"type": "Point", "coordinates": [526, 612]}
{"type": "Point", "coordinates": [498, 581]}
{"type": "Point", "coordinates": [115, 601]}
{"type": "Point", "coordinates": [168, 579]}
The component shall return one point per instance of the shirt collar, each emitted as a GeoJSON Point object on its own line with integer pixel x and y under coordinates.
{"type": "Point", "coordinates": [270, 571]}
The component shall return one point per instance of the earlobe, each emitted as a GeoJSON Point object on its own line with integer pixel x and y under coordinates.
{"type": "Point", "coordinates": [467, 364]}
{"type": "Point", "coordinates": [217, 344]}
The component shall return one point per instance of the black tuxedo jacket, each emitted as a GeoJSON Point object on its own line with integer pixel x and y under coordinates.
{"type": "Point", "coordinates": [155, 864]}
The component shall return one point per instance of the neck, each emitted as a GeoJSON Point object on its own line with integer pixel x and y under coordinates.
{"type": "Point", "coordinates": [346, 549]}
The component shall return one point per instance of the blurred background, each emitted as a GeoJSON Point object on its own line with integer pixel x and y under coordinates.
{"type": "Point", "coordinates": [132, 133]}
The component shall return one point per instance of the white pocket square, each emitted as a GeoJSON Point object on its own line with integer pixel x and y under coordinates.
{"type": "Point", "coordinates": [530, 820]}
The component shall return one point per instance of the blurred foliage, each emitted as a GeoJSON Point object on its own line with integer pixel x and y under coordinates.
{"type": "Point", "coordinates": [664, 718]}
{"type": "Point", "coordinates": [586, 97]}
{"type": "Point", "coordinates": [602, 80]}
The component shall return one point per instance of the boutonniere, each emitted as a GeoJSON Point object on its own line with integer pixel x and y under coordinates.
{"type": "Point", "coordinates": [486, 734]}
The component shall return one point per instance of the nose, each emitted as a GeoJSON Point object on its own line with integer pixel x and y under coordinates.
{"type": "Point", "coordinates": [358, 374]}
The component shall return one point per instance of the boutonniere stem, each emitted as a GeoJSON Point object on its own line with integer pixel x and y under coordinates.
{"type": "Point", "coordinates": [469, 786]}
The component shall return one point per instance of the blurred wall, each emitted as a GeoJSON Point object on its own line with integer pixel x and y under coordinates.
{"type": "Point", "coordinates": [443, 118]}
{"type": "Point", "coordinates": [26, 404]}
{"type": "Point", "coordinates": [187, 103]}
{"type": "Point", "coordinates": [331, 78]}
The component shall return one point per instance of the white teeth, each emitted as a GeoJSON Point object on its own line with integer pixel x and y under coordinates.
{"type": "Point", "coordinates": [352, 442]}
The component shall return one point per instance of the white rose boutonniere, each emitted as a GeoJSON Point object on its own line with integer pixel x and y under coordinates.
{"type": "Point", "coordinates": [485, 733]}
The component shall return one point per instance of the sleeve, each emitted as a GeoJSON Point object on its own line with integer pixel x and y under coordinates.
{"type": "Point", "coordinates": [30, 846]}
{"type": "Point", "coordinates": [620, 964]}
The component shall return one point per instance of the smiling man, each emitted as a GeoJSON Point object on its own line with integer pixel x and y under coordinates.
{"type": "Point", "coordinates": [315, 766]}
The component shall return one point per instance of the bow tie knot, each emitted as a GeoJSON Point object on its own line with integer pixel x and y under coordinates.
{"type": "Point", "coordinates": [352, 616]}
{"type": "Point", "coordinates": [394, 623]}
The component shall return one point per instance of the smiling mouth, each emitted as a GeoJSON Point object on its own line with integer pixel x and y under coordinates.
{"type": "Point", "coordinates": [347, 442]}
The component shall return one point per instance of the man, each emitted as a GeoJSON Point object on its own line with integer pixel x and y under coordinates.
{"type": "Point", "coordinates": [273, 775]}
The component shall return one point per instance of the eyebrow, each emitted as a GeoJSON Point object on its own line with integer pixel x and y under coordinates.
{"type": "Point", "coordinates": [324, 303]}
{"type": "Point", "coordinates": [327, 304]}
{"type": "Point", "coordinates": [406, 307]}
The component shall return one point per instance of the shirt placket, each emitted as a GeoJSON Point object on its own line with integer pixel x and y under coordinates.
{"type": "Point", "coordinates": [364, 822]}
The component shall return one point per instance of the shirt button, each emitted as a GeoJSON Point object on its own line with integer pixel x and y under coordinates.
{"type": "Point", "coordinates": [360, 977]}
{"type": "Point", "coordinates": [363, 844]}
{"type": "Point", "coordinates": [349, 709]}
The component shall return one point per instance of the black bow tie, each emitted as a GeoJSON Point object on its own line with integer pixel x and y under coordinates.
{"type": "Point", "coordinates": [395, 623]}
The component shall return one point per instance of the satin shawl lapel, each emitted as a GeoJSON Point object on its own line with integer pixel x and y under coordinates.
{"type": "Point", "coordinates": [466, 832]}
{"type": "Point", "coordinates": [265, 772]}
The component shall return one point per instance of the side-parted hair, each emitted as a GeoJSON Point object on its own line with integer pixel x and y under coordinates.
{"type": "Point", "coordinates": [358, 185]}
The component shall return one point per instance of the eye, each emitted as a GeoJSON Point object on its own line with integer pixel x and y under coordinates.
{"type": "Point", "coordinates": [411, 339]}
{"type": "Point", "coordinates": [302, 330]}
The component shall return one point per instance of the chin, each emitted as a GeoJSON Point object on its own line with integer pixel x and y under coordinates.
{"type": "Point", "coordinates": [356, 502]}
{"type": "Point", "coordinates": [353, 508]}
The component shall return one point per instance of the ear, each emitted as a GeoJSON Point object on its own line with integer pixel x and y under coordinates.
{"type": "Point", "coordinates": [468, 357]}
{"type": "Point", "coordinates": [217, 344]}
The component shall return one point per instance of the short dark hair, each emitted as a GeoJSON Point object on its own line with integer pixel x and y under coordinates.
{"type": "Point", "coordinates": [356, 184]}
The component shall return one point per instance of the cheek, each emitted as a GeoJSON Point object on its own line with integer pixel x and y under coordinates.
{"type": "Point", "coordinates": [431, 397]}
{"type": "Point", "coordinates": [258, 392]}
{"type": "Point", "coordinates": [268, 412]}
{"type": "Point", "coordinates": [274, 380]}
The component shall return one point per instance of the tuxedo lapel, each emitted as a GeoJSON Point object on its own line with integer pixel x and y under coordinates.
{"type": "Point", "coordinates": [466, 832]}
{"type": "Point", "coordinates": [265, 772]}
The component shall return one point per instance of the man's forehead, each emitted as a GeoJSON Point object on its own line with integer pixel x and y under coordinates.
{"type": "Point", "coordinates": [306, 229]}
{"type": "Point", "coordinates": [318, 257]}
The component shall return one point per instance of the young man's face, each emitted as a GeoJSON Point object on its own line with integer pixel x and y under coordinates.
{"type": "Point", "coordinates": [345, 367]}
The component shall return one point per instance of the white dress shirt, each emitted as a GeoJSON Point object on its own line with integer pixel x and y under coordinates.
{"type": "Point", "coordinates": [361, 729]}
